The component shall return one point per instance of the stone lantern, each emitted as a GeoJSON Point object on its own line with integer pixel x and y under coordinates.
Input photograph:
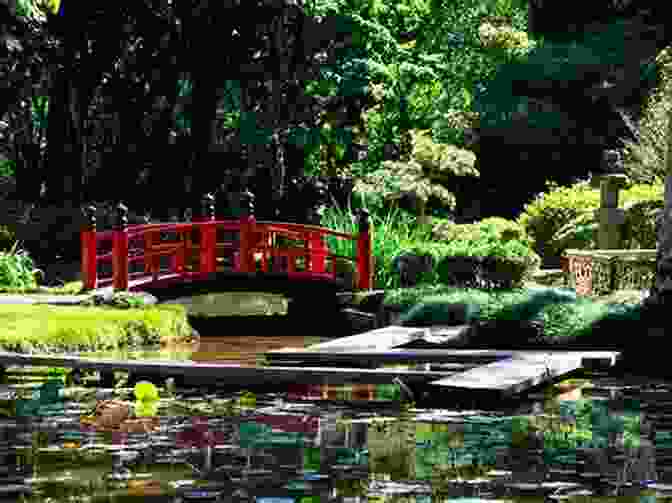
{"type": "Point", "coordinates": [609, 215]}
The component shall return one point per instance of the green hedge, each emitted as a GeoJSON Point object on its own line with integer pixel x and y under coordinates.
{"type": "Point", "coordinates": [499, 248]}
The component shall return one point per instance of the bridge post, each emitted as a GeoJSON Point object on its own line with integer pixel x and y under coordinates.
{"type": "Point", "coordinates": [317, 253]}
{"type": "Point", "coordinates": [364, 252]}
{"type": "Point", "coordinates": [208, 235]}
{"type": "Point", "coordinates": [88, 241]}
{"type": "Point", "coordinates": [151, 261]}
{"type": "Point", "coordinates": [247, 223]}
{"type": "Point", "coordinates": [120, 249]}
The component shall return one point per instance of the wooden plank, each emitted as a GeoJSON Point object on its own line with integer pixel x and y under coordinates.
{"type": "Point", "coordinates": [379, 339]}
{"type": "Point", "coordinates": [464, 356]}
{"type": "Point", "coordinates": [526, 369]}
{"type": "Point", "coordinates": [226, 374]}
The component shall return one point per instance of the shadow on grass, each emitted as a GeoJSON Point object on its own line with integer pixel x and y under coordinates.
{"type": "Point", "coordinates": [550, 318]}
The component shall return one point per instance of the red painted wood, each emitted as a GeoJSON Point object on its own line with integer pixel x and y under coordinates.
{"type": "Point", "coordinates": [208, 246]}
{"type": "Point", "coordinates": [318, 253]}
{"type": "Point", "coordinates": [150, 263]}
{"type": "Point", "coordinates": [180, 253]}
{"type": "Point", "coordinates": [245, 257]}
{"type": "Point", "coordinates": [364, 262]}
{"type": "Point", "coordinates": [255, 238]}
{"type": "Point", "coordinates": [120, 260]}
{"type": "Point", "coordinates": [89, 273]}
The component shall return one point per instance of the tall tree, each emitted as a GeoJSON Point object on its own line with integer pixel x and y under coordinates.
{"type": "Point", "coordinates": [661, 293]}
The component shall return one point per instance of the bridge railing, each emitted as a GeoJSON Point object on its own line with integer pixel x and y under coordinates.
{"type": "Point", "coordinates": [136, 251]}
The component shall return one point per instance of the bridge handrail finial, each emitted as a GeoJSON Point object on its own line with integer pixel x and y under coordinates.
{"type": "Point", "coordinates": [247, 202]}
{"type": "Point", "coordinates": [363, 220]}
{"type": "Point", "coordinates": [208, 207]}
{"type": "Point", "coordinates": [121, 221]}
{"type": "Point", "coordinates": [89, 213]}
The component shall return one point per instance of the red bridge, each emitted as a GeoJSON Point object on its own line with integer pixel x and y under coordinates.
{"type": "Point", "coordinates": [132, 254]}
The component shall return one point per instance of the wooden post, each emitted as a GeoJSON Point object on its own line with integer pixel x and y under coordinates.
{"type": "Point", "coordinates": [364, 255]}
{"type": "Point", "coordinates": [307, 245]}
{"type": "Point", "coordinates": [208, 235]}
{"type": "Point", "coordinates": [247, 223]}
{"type": "Point", "coordinates": [318, 253]}
{"type": "Point", "coordinates": [88, 241]}
{"type": "Point", "coordinates": [120, 249]}
{"type": "Point", "coordinates": [180, 252]}
{"type": "Point", "coordinates": [149, 244]}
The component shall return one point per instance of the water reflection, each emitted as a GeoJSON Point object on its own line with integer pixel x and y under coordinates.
{"type": "Point", "coordinates": [582, 439]}
{"type": "Point", "coordinates": [245, 350]}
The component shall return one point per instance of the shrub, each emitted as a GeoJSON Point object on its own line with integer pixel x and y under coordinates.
{"type": "Point", "coordinates": [7, 168]}
{"type": "Point", "coordinates": [578, 234]}
{"type": "Point", "coordinates": [7, 238]}
{"type": "Point", "coordinates": [508, 230]}
{"type": "Point", "coordinates": [425, 247]}
{"type": "Point", "coordinates": [495, 228]}
{"type": "Point", "coordinates": [641, 192]}
{"type": "Point", "coordinates": [639, 229]}
{"type": "Point", "coordinates": [495, 238]}
{"type": "Point", "coordinates": [17, 270]}
{"type": "Point", "coordinates": [434, 310]}
{"type": "Point", "coordinates": [502, 265]}
{"type": "Point", "coordinates": [550, 211]}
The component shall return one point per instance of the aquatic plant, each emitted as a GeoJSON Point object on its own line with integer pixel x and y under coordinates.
{"type": "Point", "coordinates": [147, 397]}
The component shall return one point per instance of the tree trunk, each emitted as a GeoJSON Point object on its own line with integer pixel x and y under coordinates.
{"type": "Point", "coordinates": [63, 172]}
{"type": "Point", "coordinates": [203, 133]}
{"type": "Point", "coordinates": [661, 293]}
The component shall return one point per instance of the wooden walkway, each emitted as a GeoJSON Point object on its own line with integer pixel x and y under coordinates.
{"type": "Point", "coordinates": [525, 370]}
{"type": "Point", "coordinates": [505, 373]}
{"type": "Point", "coordinates": [381, 338]}
{"type": "Point", "coordinates": [358, 359]}
{"type": "Point", "coordinates": [223, 374]}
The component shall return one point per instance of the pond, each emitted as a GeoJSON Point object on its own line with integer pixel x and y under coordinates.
{"type": "Point", "coordinates": [596, 438]}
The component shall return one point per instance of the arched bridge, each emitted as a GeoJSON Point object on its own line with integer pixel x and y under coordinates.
{"type": "Point", "coordinates": [172, 260]}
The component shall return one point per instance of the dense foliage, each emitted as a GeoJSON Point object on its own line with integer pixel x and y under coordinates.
{"type": "Point", "coordinates": [564, 217]}
{"type": "Point", "coordinates": [645, 158]}
{"type": "Point", "coordinates": [392, 93]}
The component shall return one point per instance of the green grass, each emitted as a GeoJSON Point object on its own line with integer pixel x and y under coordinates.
{"type": "Point", "coordinates": [71, 288]}
{"type": "Point", "coordinates": [26, 328]}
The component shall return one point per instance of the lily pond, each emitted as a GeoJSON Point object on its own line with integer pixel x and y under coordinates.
{"type": "Point", "coordinates": [595, 437]}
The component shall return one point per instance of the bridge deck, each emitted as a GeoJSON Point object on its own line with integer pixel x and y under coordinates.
{"type": "Point", "coordinates": [525, 370]}
{"type": "Point", "coordinates": [225, 374]}
{"type": "Point", "coordinates": [169, 278]}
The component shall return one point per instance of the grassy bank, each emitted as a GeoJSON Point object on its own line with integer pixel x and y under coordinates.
{"type": "Point", "coordinates": [26, 328]}
{"type": "Point", "coordinates": [72, 288]}
{"type": "Point", "coordinates": [564, 317]}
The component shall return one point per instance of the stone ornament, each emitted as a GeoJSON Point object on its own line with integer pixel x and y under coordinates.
{"type": "Point", "coordinates": [581, 269]}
